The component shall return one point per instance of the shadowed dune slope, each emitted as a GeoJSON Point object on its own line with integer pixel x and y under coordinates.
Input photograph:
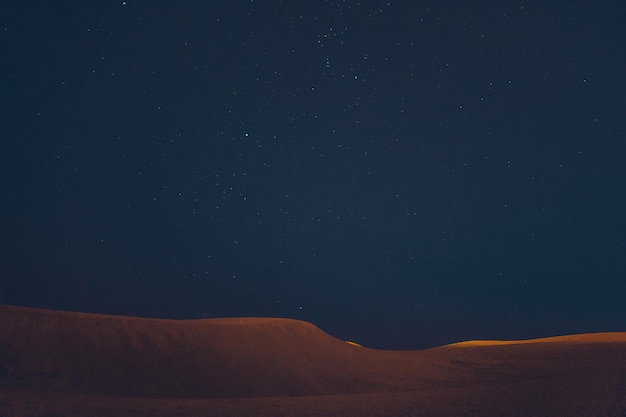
{"type": "Point", "coordinates": [241, 357]}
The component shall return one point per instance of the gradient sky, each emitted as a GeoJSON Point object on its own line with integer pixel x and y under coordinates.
{"type": "Point", "coordinates": [402, 174]}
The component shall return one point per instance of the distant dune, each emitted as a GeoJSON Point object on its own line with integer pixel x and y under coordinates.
{"type": "Point", "coordinates": [72, 364]}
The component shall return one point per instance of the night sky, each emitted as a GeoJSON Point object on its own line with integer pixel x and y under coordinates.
{"type": "Point", "coordinates": [400, 173]}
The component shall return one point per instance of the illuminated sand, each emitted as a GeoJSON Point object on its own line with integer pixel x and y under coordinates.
{"type": "Point", "coordinates": [74, 364]}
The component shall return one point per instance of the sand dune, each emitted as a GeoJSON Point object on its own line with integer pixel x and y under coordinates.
{"type": "Point", "coordinates": [71, 364]}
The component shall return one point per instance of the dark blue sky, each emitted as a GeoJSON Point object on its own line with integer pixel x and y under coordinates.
{"type": "Point", "coordinates": [403, 174]}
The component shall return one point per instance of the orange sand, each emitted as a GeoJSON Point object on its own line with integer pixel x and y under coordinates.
{"type": "Point", "coordinates": [75, 364]}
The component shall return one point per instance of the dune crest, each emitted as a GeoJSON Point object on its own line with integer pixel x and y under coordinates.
{"type": "Point", "coordinates": [230, 357]}
{"type": "Point", "coordinates": [585, 338]}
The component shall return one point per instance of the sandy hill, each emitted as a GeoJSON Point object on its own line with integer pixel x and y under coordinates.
{"type": "Point", "coordinates": [237, 357]}
{"type": "Point", "coordinates": [77, 364]}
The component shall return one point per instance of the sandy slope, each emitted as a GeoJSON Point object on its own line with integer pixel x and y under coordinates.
{"type": "Point", "coordinates": [71, 364]}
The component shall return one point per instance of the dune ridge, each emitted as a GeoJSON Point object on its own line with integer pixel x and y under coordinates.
{"type": "Point", "coordinates": [52, 360]}
{"type": "Point", "coordinates": [583, 338]}
{"type": "Point", "coordinates": [231, 357]}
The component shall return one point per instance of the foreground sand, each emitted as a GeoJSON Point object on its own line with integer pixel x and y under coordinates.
{"type": "Point", "coordinates": [56, 363]}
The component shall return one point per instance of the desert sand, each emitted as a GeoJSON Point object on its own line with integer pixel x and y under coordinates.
{"type": "Point", "coordinates": [55, 363]}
